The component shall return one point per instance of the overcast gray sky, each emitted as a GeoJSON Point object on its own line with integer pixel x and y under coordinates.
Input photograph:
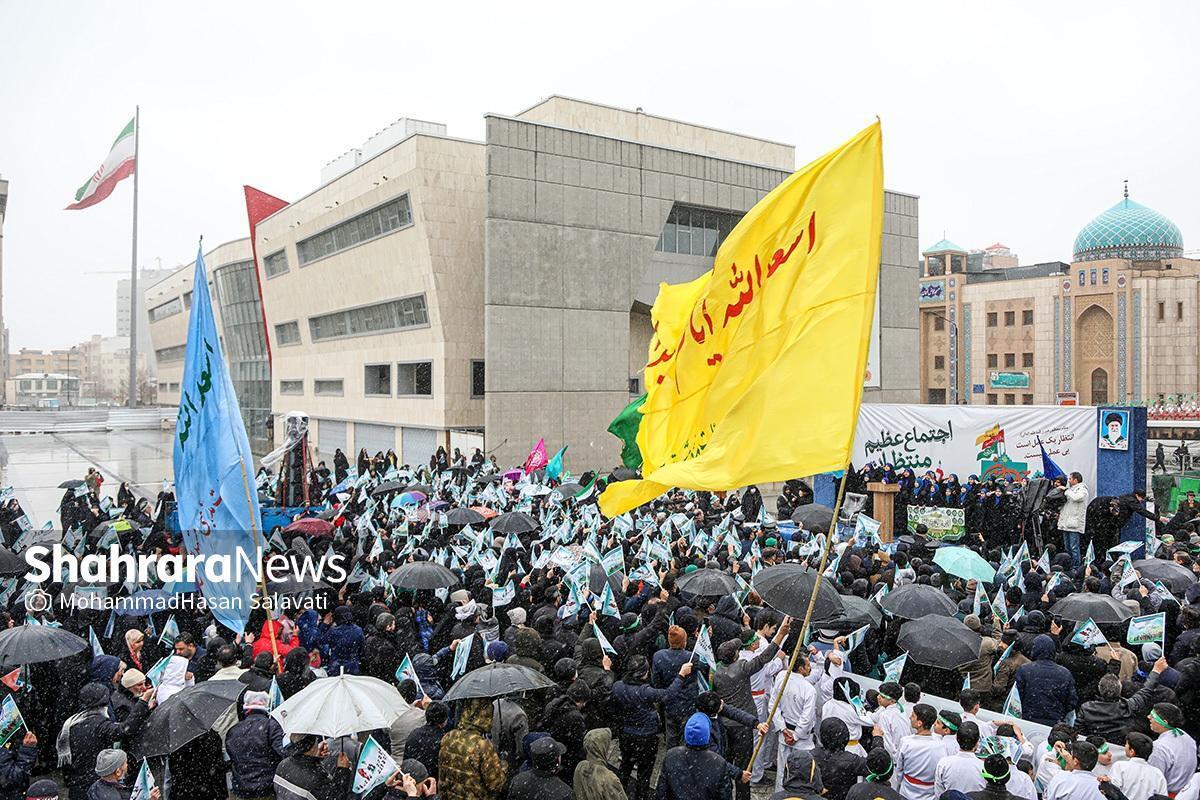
{"type": "Point", "coordinates": [1013, 121]}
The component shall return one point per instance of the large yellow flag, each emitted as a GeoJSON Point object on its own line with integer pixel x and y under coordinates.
{"type": "Point", "coordinates": [755, 371]}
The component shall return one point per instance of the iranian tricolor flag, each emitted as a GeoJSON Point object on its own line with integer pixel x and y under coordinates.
{"type": "Point", "coordinates": [119, 164]}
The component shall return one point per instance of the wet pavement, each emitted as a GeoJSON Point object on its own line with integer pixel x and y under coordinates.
{"type": "Point", "coordinates": [34, 465]}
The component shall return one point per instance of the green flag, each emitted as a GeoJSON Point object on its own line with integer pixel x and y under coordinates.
{"type": "Point", "coordinates": [625, 428]}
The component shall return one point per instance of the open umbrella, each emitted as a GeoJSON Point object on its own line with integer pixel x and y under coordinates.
{"type": "Point", "coordinates": [411, 498]}
{"type": "Point", "coordinates": [937, 641]}
{"type": "Point", "coordinates": [341, 706]}
{"type": "Point", "coordinates": [296, 584]}
{"type": "Point", "coordinates": [310, 526]}
{"type": "Point", "coordinates": [423, 488]}
{"type": "Point", "coordinates": [71, 483]}
{"type": "Point", "coordinates": [387, 486]}
{"type": "Point", "coordinates": [913, 601]}
{"type": "Point", "coordinates": [964, 563]}
{"type": "Point", "coordinates": [707, 583]}
{"type": "Point", "coordinates": [1102, 609]}
{"type": "Point", "coordinates": [597, 577]}
{"type": "Point", "coordinates": [485, 512]}
{"type": "Point", "coordinates": [514, 522]}
{"type": "Point", "coordinates": [11, 563]}
{"type": "Point", "coordinates": [496, 680]}
{"type": "Point", "coordinates": [463, 516]}
{"type": "Point", "coordinates": [187, 715]}
{"type": "Point", "coordinates": [1176, 577]}
{"type": "Point", "coordinates": [569, 489]}
{"type": "Point", "coordinates": [422, 575]}
{"type": "Point", "coordinates": [789, 587]}
{"type": "Point", "coordinates": [514, 475]}
{"type": "Point", "coordinates": [622, 474]}
{"type": "Point", "coordinates": [813, 517]}
{"type": "Point", "coordinates": [34, 644]}
{"type": "Point", "coordinates": [857, 611]}
{"type": "Point", "coordinates": [484, 480]}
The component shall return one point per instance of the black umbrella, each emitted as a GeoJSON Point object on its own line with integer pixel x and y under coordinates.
{"type": "Point", "coordinates": [858, 611]}
{"type": "Point", "coordinates": [423, 488]}
{"type": "Point", "coordinates": [1176, 577]}
{"type": "Point", "coordinates": [11, 563]}
{"type": "Point", "coordinates": [813, 517]}
{"type": "Point", "coordinates": [328, 514]}
{"type": "Point", "coordinates": [496, 680]}
{"type": "Point", "coordinates": [463, 516]}
{"type": "Point", "coordinates": [33, 644]}
{"type": "Point", "coordinates": [389, 486]}
{"type": "Point", "coordinates": [938, 641]}
{"type": "Point", "coordinates": [1102, 609]}
{"type": "Point", "coordinates": [913, 601]}
{"type": "Point", "coordinates": [484, 480]}
{"type": "Point", "coordinates": [708, 583]}
{"type": "Point", "coordinates": [423, 575]}
{"type": "Point", "coordinates": [295, 584]}
{"type": "Point", "coordinates": [514, 522]}
{"type": "Point", "coordinates": [623, 474]}
{"type": "Point", "coordinates": [187, 715]}
{"type": "Point", "coordinates": [597, 577]}
{"type": "Point", "coordinates": [570, 489]}
{"type": "Point", "coordinates": [789, 587]}
{"type": "Point", "coordinates": [70, 484]}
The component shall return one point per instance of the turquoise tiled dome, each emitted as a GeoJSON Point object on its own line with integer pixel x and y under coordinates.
{"type": "Point", "coordinates": [1131, 231]}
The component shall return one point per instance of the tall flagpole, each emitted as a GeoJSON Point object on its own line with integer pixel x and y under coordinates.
{"type": "Point", "coordinates": [132, 394]}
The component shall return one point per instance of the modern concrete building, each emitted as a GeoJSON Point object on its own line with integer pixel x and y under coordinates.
{"type": "Point", "coordinates": [42, 390]}
{"type": "Point", "coordinates": [433, 290]}
{"type": "Point", "coordinates": [4, 373]}
{"type": "Point", "coordinates": [146, 277]}
{"type": "Point", "coordinates": [1118, 324]}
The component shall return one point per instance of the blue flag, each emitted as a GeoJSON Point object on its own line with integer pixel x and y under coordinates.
{"type": "Point", "coordinates": [1050, 470]}
{"type": "Point", "coordinates": [554, 466]}
{"type": "Point", "coordinates": [214, 470]}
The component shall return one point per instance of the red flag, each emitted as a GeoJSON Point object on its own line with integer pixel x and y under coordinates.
{"type": "Point", "coordinates": [13, 680]}
{"type": "Point", "coordinates": [537, 457]}
{"type": "Point", "coordinates": [259, 206]}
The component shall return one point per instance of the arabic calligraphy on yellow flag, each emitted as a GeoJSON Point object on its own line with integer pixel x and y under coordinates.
{"type": "Point", "coordinates": [755, 370]}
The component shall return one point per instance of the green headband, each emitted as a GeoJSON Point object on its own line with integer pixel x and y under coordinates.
{"type": "Point", "coordinates": [991, 777]}
{"type": "Point", "coordinates": [1154, 715]}
{"type": "Point", "coordinates": [947, 723]}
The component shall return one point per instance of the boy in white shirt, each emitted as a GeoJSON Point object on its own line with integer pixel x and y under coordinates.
{"type": "Point", "coordinates": [1135, 776]}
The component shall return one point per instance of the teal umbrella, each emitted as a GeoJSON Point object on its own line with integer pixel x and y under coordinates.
{"type": "Point", "coordinates": [965, 563]}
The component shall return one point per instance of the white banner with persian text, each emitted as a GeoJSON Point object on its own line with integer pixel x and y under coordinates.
{"type": "Point", "coordinates": [978, 440]}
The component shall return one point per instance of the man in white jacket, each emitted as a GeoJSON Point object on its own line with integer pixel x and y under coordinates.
{"type": "Point", "coordinates": [1073, 516]}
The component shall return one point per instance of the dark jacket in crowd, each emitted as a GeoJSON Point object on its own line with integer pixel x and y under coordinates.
{"type": "Point", "coordinates": [726, 623]}
{"type": "Point", "coordinates": [839, 769]}
{"type": "Point", "coordinates": [635, 704]}
{"type": "Point", "coordinates": [95, 733]}
{"type": "Point", "coordinates": [381, 656]}
{"type": "Point", "coordinates": [1047, 689]}
{"type": "Point", "coordinates": [423, 744]}
{"type": "Point", "coordinates": [303, 777]}
{"type": "Point", "coordinates": [732, 681]}
{"type": "Point", "coordinates": [664, 669]}
{"type": "Point", "coordinates": [343, 642]}
{"type": "Point", "coordinates": [691, 773]}
{"type": "Point", "coordinates": [536, 784]}
{"type": "Point", "coordinates": [16, 762]}
{"type": "Point", "coordinates": [103, 790]}
{"type": "Point", "coordinates": [1112, 718]}
{"type": "Point", "coordinates": [255, 747]}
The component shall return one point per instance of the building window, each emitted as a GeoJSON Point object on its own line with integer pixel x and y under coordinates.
{"type": "Point", "coordinates": [1082, 277]}
{"type": "Point", "coordinates": [478, 384]}
{"type": "Point", "coordinates": [187, 301]}
{"type": "Point", "coordinates": [408, 312]}
{"type": "Point", "coordinates": [1010, 318]}
{"type": "Point", "coordinates": [635, 387]}
{"type": "Point", "coordinates": [1104, 276]}
{"type": "Point", "coordinates": [939, 323]}
{"type": "Point", "coordinates": [939, 362]}
{"type": "Point", "coordinates": [414, 379]}
{"type": "Point", "coordinates": [1179, 310]}
{"type": "Point", "coordinates": [327, 387]}
{"type": "Point", "coordinates": [991, 399]}
{"type": "Point", "coordinates": [291, 387]}
{"type": "Point", "coordinates": [166, 355]}
{"type": "Point", "coordinates": [174, 387]}
{"type": "Point", "coordinates": [287, 333]}
{"type": "Point", "coordinates": [26, 386]}
{"type": "Point", "coordinates": [377, 379]}
{"type": "Point", "coordinates": [162, 387]}
{"type": "Point", "coordinates": [1010, 399]}
{"type": "Point", "coordinates": [991, 319]}
{"type": "Point", "coordinates": [993, 361]}
{"type": "Point", "coordinates": [1010, 359]}
{"type": "Point", "coordinates": [167, 309]}
{"type": "Point", "coordinates": [936, 397]}
{"type": "Point", "coordinates": [1162, 311]}
{"type": "Point", "coordinates": [275, 263]}
{"type": "Point", "coordinates": [1093, 276]}
{"type": "Point", "coordinates": [1026, 399]}
{"type": "Point", "coordinates": [695, 231]}
{"type": "Point", "coordinates": [1027, 316]}
{"type": "Point", "coordinates": [356, 230]}
{"type": "Point", "coordinates": [1026, 359]}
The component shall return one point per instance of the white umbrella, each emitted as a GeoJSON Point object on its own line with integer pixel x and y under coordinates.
{"type": "Point", "coordinates": [341, 706]}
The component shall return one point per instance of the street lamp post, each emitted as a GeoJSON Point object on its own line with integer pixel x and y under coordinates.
{"type": "Point", "coordinates": [955, 360]}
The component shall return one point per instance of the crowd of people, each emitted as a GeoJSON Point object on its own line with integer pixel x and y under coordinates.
{"type": "Point", "coordinates": [655, 689]}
